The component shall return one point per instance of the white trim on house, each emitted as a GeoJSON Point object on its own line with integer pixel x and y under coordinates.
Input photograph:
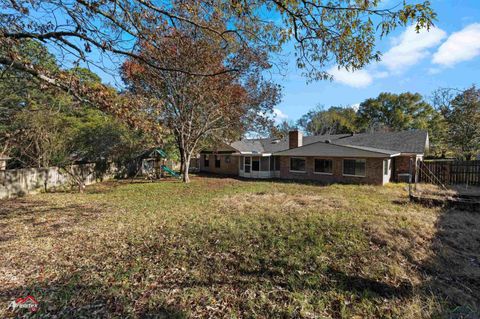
{"type": "Point", "coordinates": [388, 166]}
{"type": "Point", "coordinates": [252, 154]}
{"type": "Point", "coordinates": [261, 174]}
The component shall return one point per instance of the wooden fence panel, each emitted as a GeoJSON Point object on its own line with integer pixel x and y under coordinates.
{"type": "Point", "coordinates": [450, 172]}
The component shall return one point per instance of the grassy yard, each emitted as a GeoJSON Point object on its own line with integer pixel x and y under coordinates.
{"type": "Point", "coordinates": [238, 249]}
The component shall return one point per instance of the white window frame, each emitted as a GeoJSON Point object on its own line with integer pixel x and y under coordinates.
{"type": "Point", "coordinates": [295, 171]}
{"type": "Point", "coordinates": [354, 159]}
{"type": "Point", "coordinates": [322, 158]}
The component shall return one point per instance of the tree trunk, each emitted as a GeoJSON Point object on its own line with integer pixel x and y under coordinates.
{"type": "Point", "coordinates": [186, 166]}
{"type": "Point", "coordinates": [182, 156]}
{"type": "Point", "coordinates": [81, 186]}
{"type": "Point", "coordinates": [78, 178]}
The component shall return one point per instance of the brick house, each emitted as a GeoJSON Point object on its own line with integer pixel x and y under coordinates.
{"type": "Point", "coordinates": [371, 158]}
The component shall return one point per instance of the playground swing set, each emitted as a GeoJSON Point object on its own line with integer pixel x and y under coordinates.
{"type": "Point", "coordinates": [154, 166]}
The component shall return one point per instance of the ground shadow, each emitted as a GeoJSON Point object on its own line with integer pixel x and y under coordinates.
{"type": "Point", "coordinates": [454, 269]}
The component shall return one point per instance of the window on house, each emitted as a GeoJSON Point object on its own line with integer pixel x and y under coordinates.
{"type": "Point", "coordinates": [354, 167]}
{"type": "Point", "coordinates": [217, 161]}
{"type": "Point", "coordinates": [264, 163]}
{"type": "Point", "coordinates": [247, 164]}
{"type": "Point", "coordinates": [297, 164]}
{"type": "Point", "coordinates": [227, 159]}
{"type": "Point", "coordinates": [385, 167]}
{"type": "Point", "coordinates": [255, 164]}
{"type": "Point", "coordinates": [323, 166]}
{"type": "Point", "coordinates": [206, 162]}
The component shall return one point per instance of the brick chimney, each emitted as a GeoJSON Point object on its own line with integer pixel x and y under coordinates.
{"type": "Point", "coordinates": [295, 139]}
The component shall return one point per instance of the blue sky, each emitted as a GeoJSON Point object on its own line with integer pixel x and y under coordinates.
{"type": "Point", "coordinates": [447, 56]}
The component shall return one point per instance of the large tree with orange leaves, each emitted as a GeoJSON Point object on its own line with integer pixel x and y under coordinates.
{"type": "Point", "coordinates": [196, 109]}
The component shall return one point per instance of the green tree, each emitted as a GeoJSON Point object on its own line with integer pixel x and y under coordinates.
{"type": "Point", "coordinates": [463, 118]}
{"type": "Point", "coordinates": [397, 112]}
{"type": "Point", "coordinates": [42, 126]}
{"type": "Point", "coordinates": [334, 120]}
{"type": "Point", "coordinates": [23, 96]}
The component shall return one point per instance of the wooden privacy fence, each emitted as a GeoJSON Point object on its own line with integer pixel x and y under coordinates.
{"type": "Point", "coordinates": [449, 172]}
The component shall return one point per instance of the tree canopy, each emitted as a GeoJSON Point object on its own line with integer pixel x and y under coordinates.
{"type": "Point", "coordinates": [341, 32]}
{"type": "Point", "coordinates": [334, 120]}
{"type": "Point", "coordinates": [396, 112]}
{"type": "Point", "coordinates": [195, 109]}
{"type": "Point", "coordinates": [42, 126]}
{"type": "Point", "coordinates": [462, 114]}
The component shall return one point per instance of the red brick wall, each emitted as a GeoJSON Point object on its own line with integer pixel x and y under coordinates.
{"type": "Point", "coordinates": [295, 139]}
{"type": "Point", "coordinates": [230, 168]}
{"type": "Point", "coordinates": [373, 173]}
{"type": "Point", "coordinates": [402, 165]}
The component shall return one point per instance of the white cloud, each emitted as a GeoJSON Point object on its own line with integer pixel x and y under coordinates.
{"type": "Point", "coordinates": [461, 46]}
{"type": "Point", "coordinates": [357, 79]}
{"type": "Point", "coordinates": [410, 47]}
{"type": "Point", "coordinates": [279, 115]}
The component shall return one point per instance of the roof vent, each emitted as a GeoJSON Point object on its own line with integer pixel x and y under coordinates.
{"type": "Point", "coordinates": [328, 141]}
{"type": "Point", "coordinates": [276, 141]}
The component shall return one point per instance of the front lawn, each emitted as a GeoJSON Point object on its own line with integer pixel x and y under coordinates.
{"type": "Point", "coordinates": [238, 249]}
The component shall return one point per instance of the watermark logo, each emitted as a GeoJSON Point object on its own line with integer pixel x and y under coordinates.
{"type": "Point", "coordinates": [24, 303]}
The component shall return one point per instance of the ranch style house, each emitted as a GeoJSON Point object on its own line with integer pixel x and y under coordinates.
{"type": "Point", "coordinates": [367, 158]}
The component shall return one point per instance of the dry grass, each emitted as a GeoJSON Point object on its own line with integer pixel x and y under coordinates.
{"type": "Point", "coordinates": [229, 248]}
{"type": "Point", "coordinates": [451, 191]}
